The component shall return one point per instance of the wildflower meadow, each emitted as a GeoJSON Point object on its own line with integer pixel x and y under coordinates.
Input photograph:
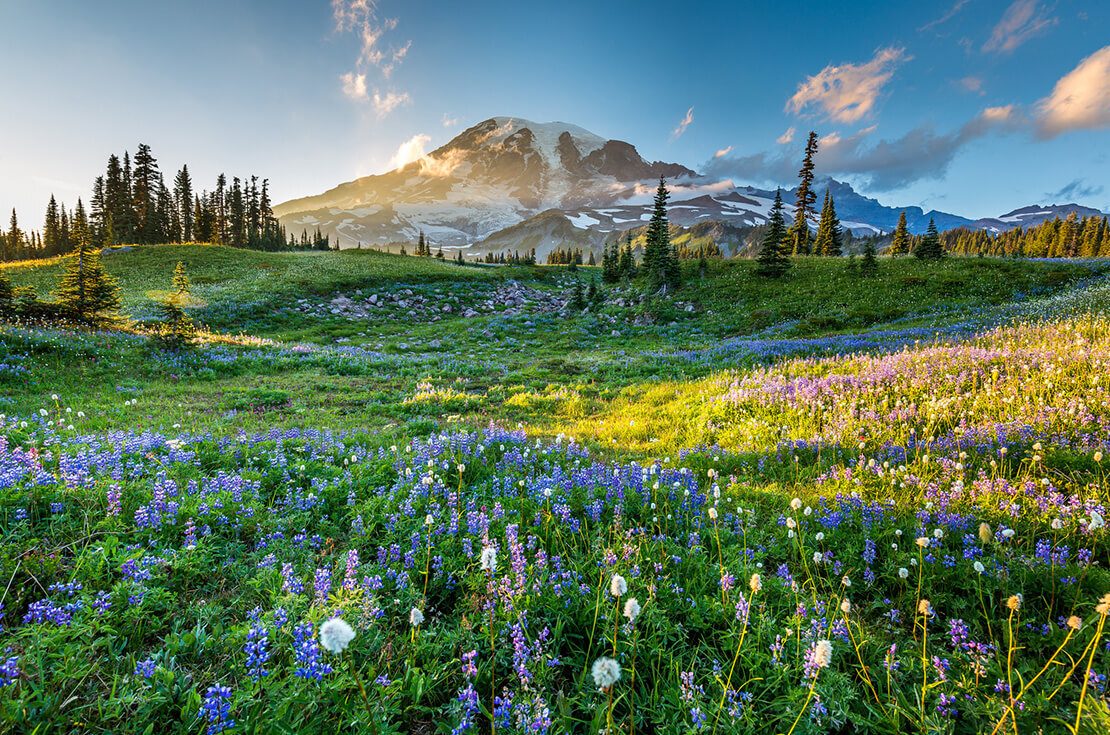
{"type": "Point", "coordinates": [605, 527]}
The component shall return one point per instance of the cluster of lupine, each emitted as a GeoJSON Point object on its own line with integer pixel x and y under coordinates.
{"type": "Point", "coordinates": [493, 581]}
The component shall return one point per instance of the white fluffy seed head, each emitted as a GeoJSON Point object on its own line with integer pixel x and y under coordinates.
{"type": "Point", "coordinates": [755, 583]}
{"type": "Point", "coordinates": [632, 609]}
{"type": "Point", "coordinates": [336, 635]}
{"type": "Point", "coordinates": [415, 617]}
{"type": "Point", "coordinates": [606, 672]}
{"type": "Point", "coordinates": [489, 559]}
{"type": "Point", "coordinates": [822, 654]}
{"type": "Point", "coordinates": [617, 586]}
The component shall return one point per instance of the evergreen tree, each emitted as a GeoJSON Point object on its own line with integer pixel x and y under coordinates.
{"type": "Point", "coordinates": [14, 240]}
{"type": "Point", "coordinates": [577, 298]}
{"type": "Point", "coordinates": [929, 248]}
{"type": "Point", "coordinates": [176, 329]}
{"type": "Point", "coordinates": [183, 200]}
{"type": "Point", "coordinates": [421, 245]}
{"type": "Point", "coordinates": [869, 265]}
{"type": "Point", "coordinates": [52, 228]}
{"type": "Point", "coordinates": [900, 243]}
{"type": "Point", "coordinates": [773, 261]}
{"type": "Point", "coordinates": [86, 291]}
{"type": "Point", "coordinates": [144, 195]}
{"type": "Point", "coordinates": [7, 294]}
{"type": "Point", "coordinates": [829, 235]}
{"type": "Point", "coordinates": [804, 200]}
{"type": "Point", "coordinates": [660, 262]}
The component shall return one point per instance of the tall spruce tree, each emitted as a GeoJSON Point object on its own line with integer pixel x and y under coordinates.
{"type": "Point", "coordinates": [183, 201]}
{"type": "Point", "coordinates": [929, 248]}
{"type": "Point", "coordinates": [773, 261]}
{"type": "Point", "coordinates": [660, 261]}
{"type": "Point", "coordinates": [900, 243]}
{"type": "Point", "coordinates": [805, 198]}
{"type": "Point", "coordinates": [52, 229]}
{"type": "Point", "coordinates": [829, 236]}
{"type": "Point", "coordinates": [144, 195]}
{"type": "Point", "coordinates": [869, 264]}
{"type": "Point", "coordinates": [86, 291]}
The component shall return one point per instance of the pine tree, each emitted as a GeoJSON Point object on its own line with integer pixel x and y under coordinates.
{"type": "Point", "coordinates": [177, 329]}
{"type": "Point", "coordinates": [805, 198]}
{"type": "Point", "coordinates": [869, 265]}
{"type": "Point", "coordinates": [86, 291]}
{"type": "Point", "coordinates": [829, 240]}
{"type": "Point", "coordinates": [7, 293]}
{"type": "Point", "coordinates": [14, 242]}
{"type": "Point", "coordinates": [577, 298]}
{"type": "Point", "coordinates": [421, 245]}
{"type": "Point", "coordinates": [52, 229]}
{"type": "Point", "coordinates": [660, 261]}
{"type": "Point", "coordinates": [900, 243]}
{"type": "Point", "coordinates": [773, 261]}
{"type": "Point", "coordinates": [144, 195]}
{"type": "Point", "coordinates": [183, 200]}
{"type": "Point", "coordinates": [929, 248]}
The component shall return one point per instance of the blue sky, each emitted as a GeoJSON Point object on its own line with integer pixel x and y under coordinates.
{"type": "Point", "coordinates": [973, 106]}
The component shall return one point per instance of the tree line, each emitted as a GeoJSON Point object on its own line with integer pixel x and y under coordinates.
{"type": "Point", "coordinates": [132, 204]}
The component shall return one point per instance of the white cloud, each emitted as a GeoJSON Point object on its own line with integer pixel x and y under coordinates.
{"type": "Point", "coordinates": [388, 102]}
{"type": "Point", "coordinates": [683, 124]}
{"type": "Point", "coordinates": [1080, 99]}
{"type": "Point", "coordinates": [921, 153]}
{"type": "Point", "coordinates": [848, 92]}
{"type": "Point", "coordinates": [972, 84]}
{"type": "Point", "coordinates": [723, 152]}
{"type": "Point", "coordinates": [360, 17]}
{"type": "Point", "coordinates": [949, 15]}
{"type": "Point", "coordinates": [786, 137]}
{"type": "Point", "coordinates": [411, 150]}
{"type": "Point", "coordinates": [354, 85]}
{"type": "Point", "coordinates": [449, 122]}
{"type": "Point", "coordinates": [1022, 20]}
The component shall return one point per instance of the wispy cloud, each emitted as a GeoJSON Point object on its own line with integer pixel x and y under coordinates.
{"type": "Point", "coordinates": [786, 137]}
{"type": "Point", "coordinates": [1080, 99]}
{"type": "Point", "coordinates": [1075, 189]}
{"type": "Point", "coordinates": [972, 84]}
{"type": "Point", "coordinates": [388, 102]}
{"type": "Point", "coordinates": [1022, 20]}
{"type": "Point", "coordinates": [449, 122]}
{"type": "Point", "coordinates": [361, 18]}
{"type": "Point", "coordinates": [948, 15]}
{"type": "Point", "coordinates": [354, 85]}
{"type": "Point", "coordinates": [683, 124]}
{"type": "Point", "coordinates": [848, 92]}
{"type": "Point", "coordinates": [411, 150]}
{"type": "Point", "coordinates": [723, 152]}
{"type": "Point", "coordinates": [883, 165]}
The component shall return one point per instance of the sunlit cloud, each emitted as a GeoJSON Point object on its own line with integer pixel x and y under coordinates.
{"type": "Point", "coordinates": [354, 85]}
{"type": "Point", "coordinates": [1022, 20]}
{"type": "Point", "coordinates": [360, 17]}
{"type": "Point", "coordinates": [723, 152]}
{"type": "Point", "coordinates": [972, 84]}
{"type": "Point", "coordinates": [786, 137]}
{"type": "Point", "coordinates": [921, 153]}
{"type": "Point", "coordinates": [948, 15]}
{"type": "Point", "coordinates": [1080, 100]}
{"type": "Point", "coordinates": [388, 102]}
{"type": "Point", "coordinates": [683, 124]}
{"type": "Point", "coordinates": [848, 92]}
{"type": "Point", "coordinates": [449, 122]}
{"type": "Point", "coordinates": [411, 150]}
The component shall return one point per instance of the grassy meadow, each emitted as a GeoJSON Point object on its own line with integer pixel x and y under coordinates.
{"type": "Point", "coordinates": [827, 504]}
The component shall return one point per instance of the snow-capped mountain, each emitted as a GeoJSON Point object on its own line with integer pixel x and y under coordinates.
{"type": "Point", "coordinates": [509, 183]}
{"type": "Point", "coordinates": [1034, 215]}
{"type": "Point", "coordinates": [493, 175]}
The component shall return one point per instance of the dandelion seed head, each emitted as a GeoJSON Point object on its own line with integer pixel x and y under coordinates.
{"type": "Point", "coordinates": [606, 672]}
{"type": "Point", "coordinates": [336, 635]}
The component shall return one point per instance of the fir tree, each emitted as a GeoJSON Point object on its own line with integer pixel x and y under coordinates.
{"type": "Point", "coordinates": [86, 291]}
{"type": "Point", "coordinates": [660, 262]}
{"type": "Point", "coordinates": [869, 265]}
{"type": "Point", "coordinates": [176, 329]}
{"type": "Point", "coordinates": [577, 298]}
{"type": "Point", "coordinates": [929, 248]}
{"type": "Point", "coordinates": [773, 261]}
{"type": "Point", "coordinates": [183, 200]}
{"type": "Point", "coordinates": [900, 243]}
{"type": "Point", "coordinates": [52, 229]}
{"type": "Point", "coordinates": [829, 236]}
{"type": "Point", "coordinates": [805, 198]}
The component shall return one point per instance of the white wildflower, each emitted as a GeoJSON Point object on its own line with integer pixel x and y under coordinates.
{"type": "Point", "coordinates": [489, 559]}
{"type": "Point", "coordinates": [617, 586]}
{"type": "Point", "coordinates": [336, 635]}
{"type": "Point", "coordinates": [632, 609]}
{"type": "Point", "coordinates": [606, 672]}
{"type": "Point", "coordinates": [415, 617]}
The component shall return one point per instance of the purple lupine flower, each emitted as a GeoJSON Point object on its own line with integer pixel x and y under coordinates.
{"type": "Point", "coordinates": [258, 653]}
{"type": "Point", "coordinates": [307, 653]}
{"type": "Point", "coordinates": [9, 670]}
{"type": "Point", "coordinates": [322, 584]}
{"type": "Point", "coordinates": [289, 582]}
{"type": "Point", "coordinates": [145, 668]}
{"type": "Point", "coordinates": [350, 580]}
{"type": "Point", "coordinates": [216, 708]}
